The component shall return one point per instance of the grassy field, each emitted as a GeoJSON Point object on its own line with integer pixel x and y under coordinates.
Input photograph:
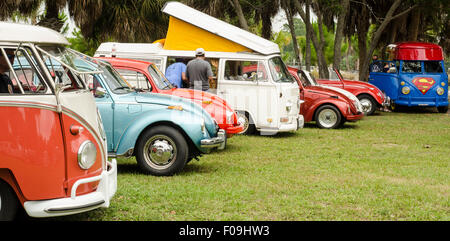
{"type": "Point", "coordinates": [390, 166]}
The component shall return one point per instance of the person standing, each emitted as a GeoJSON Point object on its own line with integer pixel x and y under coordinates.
{"type": "Point", "coordinates": [176, 73]}
{"type": "Point", "coordinates": [199, 72]}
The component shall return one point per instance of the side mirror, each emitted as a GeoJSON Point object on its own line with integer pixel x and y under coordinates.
{"type": "Point", "coordinates": [100, 92]}
{"type": "Point", "coordinates": [392, 70]}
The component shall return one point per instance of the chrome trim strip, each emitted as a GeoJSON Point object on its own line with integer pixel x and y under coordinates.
{"type": "Point", "coordinates": [74, 208]}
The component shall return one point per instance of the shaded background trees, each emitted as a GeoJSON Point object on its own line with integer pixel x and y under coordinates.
{"type": "Point", "coordinates": [338, 33]}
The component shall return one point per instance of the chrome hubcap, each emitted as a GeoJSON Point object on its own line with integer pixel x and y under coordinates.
{"type": "Point", "coordinates": [366, 105]}
{"type": "Point", "coordinates": [327, 118]}
{"type": "Point", "coordinates": [241, 119]}
{"type": "Point", "coordinates": [160, 151]}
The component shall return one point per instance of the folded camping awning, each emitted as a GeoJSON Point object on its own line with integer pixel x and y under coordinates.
{"type": "Point", "coordinates": [190, 29]}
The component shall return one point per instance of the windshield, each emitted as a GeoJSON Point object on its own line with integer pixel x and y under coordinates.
{"type": "Point", "coordinates": [158, 78]}
{"type": "Point", "coordinates": [279, 71]}
{"type": "Point", "coordinates": [114, 80]}
{"type": "Point", "coordinates": [307, 79]}
{"type": "Point", "coordinates": [433, 67]}
{"type": "Point", "coordinates": [62, 64]}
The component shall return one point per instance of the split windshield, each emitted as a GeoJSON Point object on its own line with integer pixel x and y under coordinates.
{"type": "Point", "coordinates": [63, 65]}
{"type": "Point", "coordinates": [279, 71]}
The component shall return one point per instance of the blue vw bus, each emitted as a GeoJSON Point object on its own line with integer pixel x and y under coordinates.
{"type": "Point", "coordinates": [414, 75]}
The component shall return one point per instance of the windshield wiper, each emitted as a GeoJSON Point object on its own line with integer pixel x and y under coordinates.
{"type": "Point", "coordinates": [122, 87]}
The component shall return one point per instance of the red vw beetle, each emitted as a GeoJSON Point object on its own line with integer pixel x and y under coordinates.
{"type": "Point", "coordinates": [329, 108]}
{"type": "Point", "coordinates": [369, 95]}
{"type": "Point", "coordinates": [146, 76]}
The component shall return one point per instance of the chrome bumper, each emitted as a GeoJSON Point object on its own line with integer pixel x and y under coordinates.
{"type": "Point", "coordinates": [82, 203]}
{"type": "Point", "coordinates": [387, 100]}
{"type": "Point", "coordinates": [219, 141]}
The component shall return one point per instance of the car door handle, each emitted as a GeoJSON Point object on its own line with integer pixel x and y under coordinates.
{"type": "Point", "coordinates": [222, 92]}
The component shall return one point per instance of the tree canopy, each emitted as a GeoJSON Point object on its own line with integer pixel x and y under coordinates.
{"type": "Point", "coordinates": [340, 27]}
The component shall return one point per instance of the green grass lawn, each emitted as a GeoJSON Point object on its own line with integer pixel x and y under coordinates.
{"type": "Point", "coordinates": [389, 166]}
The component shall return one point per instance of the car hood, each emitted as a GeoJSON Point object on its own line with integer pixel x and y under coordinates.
{"type": "Point", "coordinates": [326, 91]}
{"type": "Point", "coordinates": [171, 100]}
{"type": "Point", "coordinates": [349, 95]}
{"type": "Point", "coordinates": [167, 100]}
{"type": "Point", "coordinates": [359, 84]}
{"type": "Point", "coordinates": [213, 104]}
{"type": "Point", "coordinates": [202, 96]}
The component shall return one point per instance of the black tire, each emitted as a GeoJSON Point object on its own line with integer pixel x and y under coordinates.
{"type": "Point", "coordinates": [8, 202]}
{"type": "Point", "coordinates": [169, 154]}
{"type": "Point", "coordinates": [442, 109]}
{"type": "Point", "coordinates": [368, 103]}
{"type": "Point", "coordinates": [328, 117]}
{"type": "Point", "coordinates": [246, 120]}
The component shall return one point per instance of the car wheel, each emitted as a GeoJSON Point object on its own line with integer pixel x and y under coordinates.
{"type": "Point", "coordinates": [8, 202]}
{"type": "Point", "coordinates": [162, 151]}
{"type": "Point", "coordinates": [328, 117]}
{"type": "Point", "coordinates": [244, 119]}
{"type": "Point", "coordinates": [442, 109]}
{"type": "Point", "coordinates": [368, 104]}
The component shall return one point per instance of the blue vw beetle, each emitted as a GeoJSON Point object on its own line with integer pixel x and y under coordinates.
{"type": "Point", "coordinates": [163, 132]}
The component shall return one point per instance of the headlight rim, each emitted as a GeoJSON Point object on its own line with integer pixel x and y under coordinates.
{"type": "Point", "coordinates": [406, 90]}
{"type": "Point", "coordinates": [85, 165]}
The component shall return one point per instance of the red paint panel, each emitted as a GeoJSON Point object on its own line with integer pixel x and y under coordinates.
{"type": "Point", "coordinates": [423, 84]}
{"type": "Point", "coordinates": [418, 51]}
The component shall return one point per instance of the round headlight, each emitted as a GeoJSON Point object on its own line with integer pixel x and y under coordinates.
{"type": "Point", "coordinates": [405, 90]}
{"type": "Point", "coordinates": [229, 115]}
{"type": "Point", "coordinates": [87, 153]}
{"type": "Point", "coordinates": [440, 91]}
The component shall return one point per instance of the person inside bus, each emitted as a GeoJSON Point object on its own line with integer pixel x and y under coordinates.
{"type": "Point", "coordinates": [376, 65]}
{"type": "Point", "coordinates": [386, 68]}
{"type": "Point", "coordinates": [6, 85]}
{"type": "Point", "coordinates": [176, 73]}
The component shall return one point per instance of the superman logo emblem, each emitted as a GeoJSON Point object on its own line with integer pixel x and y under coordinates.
{"type": "Point", "coordinates": [423, 83]}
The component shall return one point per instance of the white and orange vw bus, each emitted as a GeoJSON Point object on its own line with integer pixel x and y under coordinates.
{"type": "Point", "coordinates": [53, 158]}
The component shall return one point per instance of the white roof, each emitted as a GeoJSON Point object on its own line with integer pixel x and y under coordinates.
{"type": "Point", "coordinates": [24, 33]}
{"type": "Point", "coordinates": [220, 28]}
{"type": "Point", "coordinates": [143, 50]}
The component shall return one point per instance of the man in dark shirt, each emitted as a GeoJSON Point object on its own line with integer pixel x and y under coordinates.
{"type": "Point", "coordinates": [6, 85]}
{"type": "Point", "coordinates": [199, 72]}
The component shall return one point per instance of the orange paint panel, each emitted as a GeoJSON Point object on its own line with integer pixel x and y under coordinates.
{"type": "Point", "coordinates": [73, 143]}
{"type": "Point", "coordinates": [31, 147]}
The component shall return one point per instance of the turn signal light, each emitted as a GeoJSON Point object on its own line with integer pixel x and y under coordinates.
{"type": "Point", "coordinates": [175, 107]}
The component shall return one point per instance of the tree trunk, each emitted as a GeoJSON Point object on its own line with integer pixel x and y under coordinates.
{"type": "Point", "coordinates": [348, 54]}
{"type": "Point", "coordinates": [413, 30]}
{"type": "Point", "coordinates": [340, 34]}
{"type": "Point", "coordinates": [290, 19]}
{"type": "Point", "coordinates": [376, 37]}
{"type": "Point", "coordinates": [308, 40]}
{"type": "Point", "coordinates": [240, 14]}
{"type": "Point", "coordinates": [323, 70]}
{"type": "Point", "coordinates": [362, 27]}
{"type": "Point", "coordinates": [266, 24]}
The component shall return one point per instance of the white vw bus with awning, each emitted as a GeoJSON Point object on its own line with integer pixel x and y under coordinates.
{"type": "Point", "coordinates": [249, 72]}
